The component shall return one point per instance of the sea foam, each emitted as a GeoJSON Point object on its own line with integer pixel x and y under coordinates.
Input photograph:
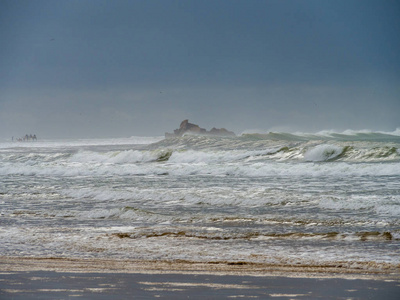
{"type": "Point", "coordinates": [279, 198]}
{"type": "Point", "coordinates": [323, 152]}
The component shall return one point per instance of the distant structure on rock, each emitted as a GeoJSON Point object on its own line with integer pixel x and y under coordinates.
{"type": "Point", "coordinates": [189, 128]}
{"type": "Point", "coordinates": [26, 138]}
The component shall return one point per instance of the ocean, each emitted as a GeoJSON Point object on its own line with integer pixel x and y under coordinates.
{"type": "Point", "coordinates": [278, 198]}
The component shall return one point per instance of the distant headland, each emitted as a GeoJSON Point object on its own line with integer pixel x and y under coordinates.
{"type": "Point", "coordinates": [189, 128]}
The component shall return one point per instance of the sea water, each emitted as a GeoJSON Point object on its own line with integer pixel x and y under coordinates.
{"type": "Point", "coordinates": [279, 198]}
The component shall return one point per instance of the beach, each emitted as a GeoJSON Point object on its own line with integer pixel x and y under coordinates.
{"type": "Point", "coordinates": [199, 149]}
{"type": "Point", "coordinates": [58, 278]}
{"type": "Point", "coordinates": [242, 216]}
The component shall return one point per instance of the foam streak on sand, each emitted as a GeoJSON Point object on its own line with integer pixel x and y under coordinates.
{"type": "Point", "coordinates": [17, 264]}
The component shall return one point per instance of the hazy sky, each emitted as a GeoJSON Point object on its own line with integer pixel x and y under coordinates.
{"type": "Point", "coordinates": [79, 68]}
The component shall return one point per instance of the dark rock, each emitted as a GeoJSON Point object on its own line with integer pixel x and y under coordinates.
{"type": "Point", "coordinates": [186, 126]}
{"type": "Point", "coordinates": [221, 132]}
{"type": "Point", "coordinates": [189, 128]}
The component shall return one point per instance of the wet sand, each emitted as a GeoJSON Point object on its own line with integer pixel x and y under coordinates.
{"type": "Point", "coordinates": [59, 278]}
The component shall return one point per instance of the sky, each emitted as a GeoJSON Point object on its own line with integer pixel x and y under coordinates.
{"type": "Point", "coordinates": [94, 68]}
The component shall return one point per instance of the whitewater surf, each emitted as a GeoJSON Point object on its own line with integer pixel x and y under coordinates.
{"type": "Point", "coordinates": [278, 198]}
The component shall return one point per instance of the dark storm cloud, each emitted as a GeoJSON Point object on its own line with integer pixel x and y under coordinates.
{"type": "Point", "coordinates": [116, 65]}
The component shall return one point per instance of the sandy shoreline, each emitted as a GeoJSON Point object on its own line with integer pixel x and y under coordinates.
{"type": "Point", "coordinates": [63, 278]}
{"type": "Point", "coordinates": [339, 270]}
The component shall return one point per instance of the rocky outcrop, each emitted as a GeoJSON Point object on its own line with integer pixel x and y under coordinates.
{"type": "Point", "coordinates": [221, 132]}
{"type": "Point", "coordinates": [189, 128]}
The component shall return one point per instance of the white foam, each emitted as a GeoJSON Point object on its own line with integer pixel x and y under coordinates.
{"type": "Point", "coordinates": [49, 143]}
{"type": "Point", "coordinates": [200, 164]}
{"type": "Point", "coordinates": [351, 203]}
{"type": "Point", "coordinates": [389, 210]}
{"type": "Point", "coordinates": [117, 157]}
{"type": "Point", "coordinates": [323, 153]}
{"type": "Point", "coordinates": [212, 157]}
{"type": "Point", "coordinates": [86, 242]}
{"type": "Point", "coordinates": [254, 188]}
{"type": "Point", "coordinates": [382, 207]}
{"type": "Point", "coordinates": [352, 132]}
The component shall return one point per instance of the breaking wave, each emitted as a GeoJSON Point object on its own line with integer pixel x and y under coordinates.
{"type": "Point", "coordinates": [275, 197]}
{"type": "Point", "coordinates": [329, 135]}
{"type": "Point", "coordinates": [250, 155]}
{"type": "Point", "coordinates": [324, 153]}
{"type": "Point", "coordinates": [273, 160]}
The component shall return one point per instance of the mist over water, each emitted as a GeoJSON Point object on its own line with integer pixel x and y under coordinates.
{"type": "Point", "coordinates": [313, 199]}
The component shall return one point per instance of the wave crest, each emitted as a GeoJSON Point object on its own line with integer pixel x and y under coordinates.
{"type": "Point", "coordinates": [324, 153]}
